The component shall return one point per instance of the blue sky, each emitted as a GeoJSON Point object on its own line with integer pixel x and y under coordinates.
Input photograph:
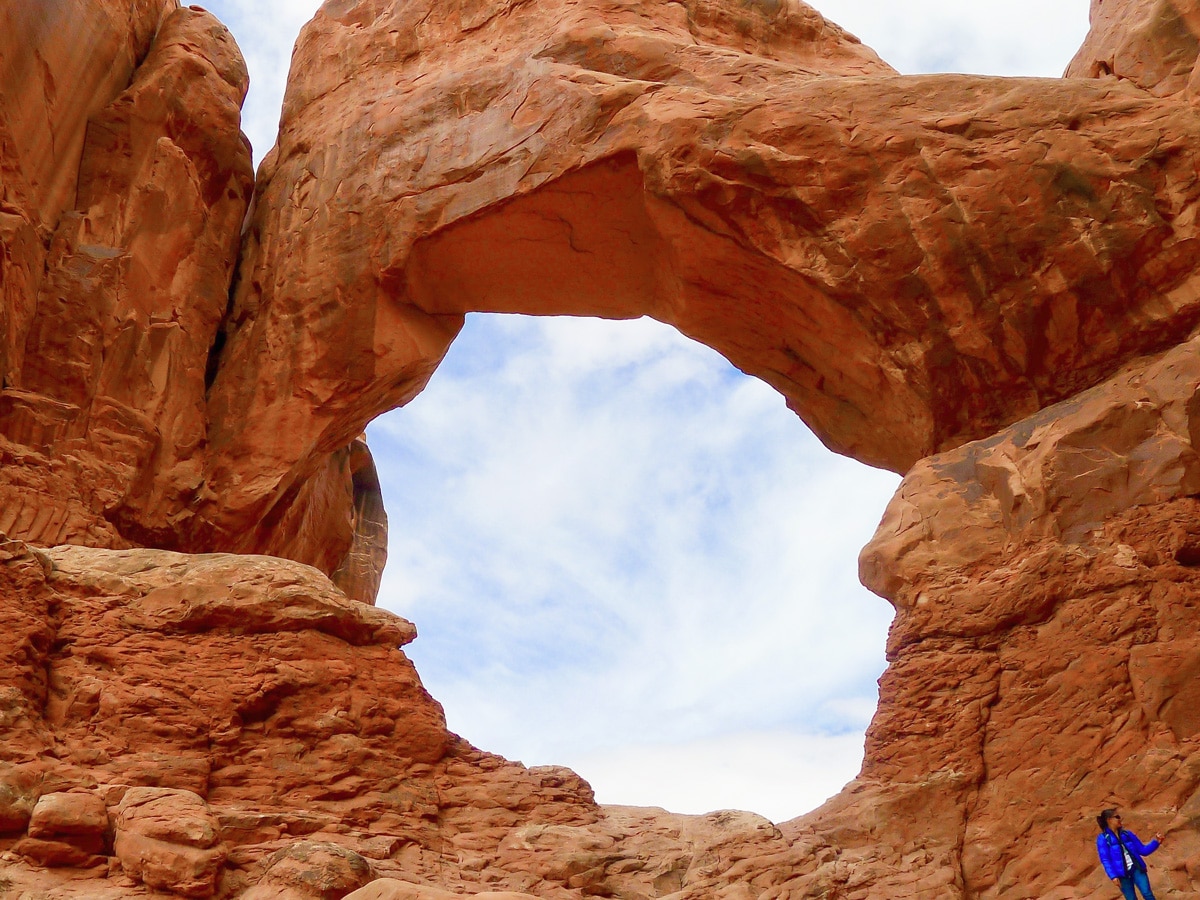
{"type": "Point", "coordinates": [622, 554]}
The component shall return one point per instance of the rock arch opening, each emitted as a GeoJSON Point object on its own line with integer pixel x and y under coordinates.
{"type": "Point", "coordinates": [625, 556]}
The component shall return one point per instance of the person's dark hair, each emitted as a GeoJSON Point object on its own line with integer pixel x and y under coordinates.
{"type": "Point", "coordinates": [1104, 817]}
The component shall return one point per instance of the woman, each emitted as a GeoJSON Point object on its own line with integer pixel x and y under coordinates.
{"type": "Point", "coordinates": [1121, 855]}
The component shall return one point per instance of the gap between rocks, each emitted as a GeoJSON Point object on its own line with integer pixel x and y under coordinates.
{"type": "Point", "coordinates": [625, 556]}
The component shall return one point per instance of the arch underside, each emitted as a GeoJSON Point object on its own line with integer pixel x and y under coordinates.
{"type": "Point", "coordinates": [912, 262]}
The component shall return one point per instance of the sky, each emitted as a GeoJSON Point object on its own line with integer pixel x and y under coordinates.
{"type": "Point", "coordinates": [622, 554]}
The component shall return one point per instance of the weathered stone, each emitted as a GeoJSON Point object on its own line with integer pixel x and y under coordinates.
{"type": "Point", "coordinates": [165, 866]}
{"type": "Point", "coordinates": [361, 569]}
{"type": "Point", "coordinates": [912, 261]}
{"type": "Point", "coordinates": [58, 853]}
{"type": "Point", "coordinates": [77, 819]}
{"type": "Point", "coordinates": [123, 280]}
{"type": "Point", "coordinates": [76, 57]}
{"type": "Point", "coordinates": [166, 814]}
{"type": "Point", "coordinates": [311, 870]}
{"type": "Point", "coordinates": [1153, 43]}
{"type": "Point", "coordinates": [19, 790]}
{"type": "Point", "coordinates": [391, 889]}
{"type": "Point", "coordinates": [168, 840]}
{"type": "Point", "coordinates": [697, 123]}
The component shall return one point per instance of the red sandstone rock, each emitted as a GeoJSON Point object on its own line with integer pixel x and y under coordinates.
{"type": "Point", "coordinates": [137, 280]}
{"type": "Point", "coordinates": [984, 246]}
{"type": "Point", "coordinates": [50, 854]}
{"type": "Point", "coordinates": [122, 273]}
{"type": "Point", "coordinates": [65, 815]}
{"type": "Point", "coordinates": [391, 889]}
{"type": "Point", "coordinates": [1040, 653]}
{"type": "Point", "coordinates": [75, 58]}
{"type": "Point", "coordinates": [1153, 43]}
{"type": "Point", "coordinates": [165, 814]}
{"type": "Point", "coordinates": [18, 788]}
{"type": "Point", "coordinates": [167, 840]}
{"type": "Point", "coordinates": [697, 125]}
{"type": "Point", "coordinates": [62, 62]}
{"type": "Point", "coordinates": [254, 684]}
{"type": "Point", "coordinates": [310, 870]}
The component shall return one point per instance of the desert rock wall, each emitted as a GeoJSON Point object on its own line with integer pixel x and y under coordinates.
{"type": "Point", "coordinates": [122, 271]}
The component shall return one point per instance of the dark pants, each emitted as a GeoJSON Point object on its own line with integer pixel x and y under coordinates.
{"type": "Point", "coordinates": [1143, 884]}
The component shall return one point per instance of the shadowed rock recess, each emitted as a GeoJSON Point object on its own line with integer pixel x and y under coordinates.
{"type": "Point", "coordinates": [988, 284]}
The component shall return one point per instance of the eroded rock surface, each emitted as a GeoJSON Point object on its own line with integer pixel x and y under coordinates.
{"type": "Point", "coordinates": [121, 275]}
{"type": "Point", "coordinates": [1153, 43]}
{"type": "Point", "coordinates": [912, 262]}
{"type": "Point", "coordinates": [251, 732]}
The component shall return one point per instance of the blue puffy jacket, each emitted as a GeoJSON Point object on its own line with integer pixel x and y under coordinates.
{"type": "Point", "coordinates": [1113, 859]}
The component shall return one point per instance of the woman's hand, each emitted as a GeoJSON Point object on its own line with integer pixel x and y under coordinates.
{"type": "Point", "coordinates": [1158, 836]}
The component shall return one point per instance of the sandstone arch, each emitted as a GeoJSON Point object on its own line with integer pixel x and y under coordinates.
{"type": "Point", "coordinates": [912, 261]}
{"type": "Point", "coordinates": [1044, 656]}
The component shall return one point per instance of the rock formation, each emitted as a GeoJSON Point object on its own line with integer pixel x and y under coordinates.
{"type": "Point", "coordinates": [763, 183]}
{"type": "Point", "coordinates": [125, 196]}
{"type": "Point", "coordinates": [989, 284]}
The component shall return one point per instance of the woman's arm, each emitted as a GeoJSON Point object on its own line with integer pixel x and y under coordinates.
{"type": "Point", "coordinates": [1144, 849]}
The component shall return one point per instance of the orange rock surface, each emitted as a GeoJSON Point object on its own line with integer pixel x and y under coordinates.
{"type": "Point", "coordinates": [123, 271]}
{"type": "Point", "coordinates": [911, 261]}
{"type": "Point", "coordinates": [1152, 43]}
{"type": "Point", "coordinates": [987, 283]}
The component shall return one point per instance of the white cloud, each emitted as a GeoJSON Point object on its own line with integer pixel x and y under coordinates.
{"type": "Point", "coordinates": [609, 537]}
{"type": "Point", "coordinates": [621, 554]}
{"type": "Point", "coordinates": [987, 37]}
{"type": "Point", "coordinates": [776, 774]}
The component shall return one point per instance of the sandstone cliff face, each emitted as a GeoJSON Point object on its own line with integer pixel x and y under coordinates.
{"type": "Point", "coordinates": [272, 723]}
{"type": "Point", "coordinates": [127, 181]}
{"type": "Point", "coordinates": [912, 262]}
{"type": "Point", "coordinates": [123, 273]}
{"type": "Point", "coordinates": [1043, 651]}
{"type": "Point", "coordinates": [999, 270]}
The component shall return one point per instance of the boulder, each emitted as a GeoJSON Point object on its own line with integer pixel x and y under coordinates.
{"type": "Point", "coordinates": [311, 870]}
{"type": "Point", "coordinates": [74, 818]}
{"type": "Point", "coordinates": [168, 839]}
{"type": "Point", "coordinates": [19, 790]}
{"type": "Point", "coordinates": [391, 889]}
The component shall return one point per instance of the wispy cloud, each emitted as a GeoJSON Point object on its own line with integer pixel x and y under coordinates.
{"type": "Point", "coordinates": [623, 555]}
{"type": "Point", "coordinates": [774, 773]}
